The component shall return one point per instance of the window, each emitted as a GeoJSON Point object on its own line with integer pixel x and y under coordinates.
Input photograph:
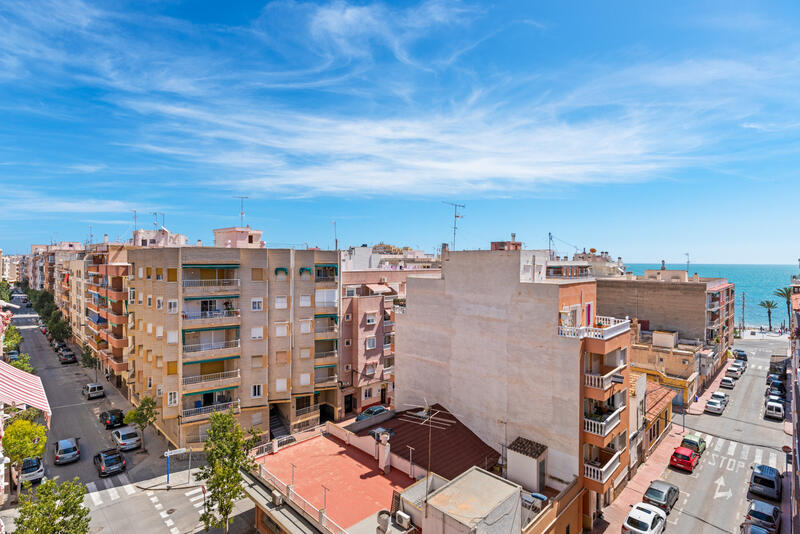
{"type": "Point", "coordinates": [149, 382]}
{"type": "Point", "coordinates": [305, 326]}
{"type": "Point", "coordinates": [159, 391]}
{"type": "Point", "coordinates": [305, 353]}
{"type": "Point", "coordinates": [149, 301]}
{"type": "Point", "coordinates": [351, 291]}
{"type": "Point", "coordinates": [255, 391]}
{"type": "Point", "coordinates": [172, 275]}
{"type": "Point", "coordinates": [172, 306]}
{"type": "Point", "coordinates": [281, 303]}
{"type": "Point", "coordinates": [371, 342]}
{"type": "Point", "coordinates": [387, 340]}
{"type": "Point", "coordinates": [281, 329]}
{"type": "Point", "coordinates": [372, 318]}
{"type": "Point", "coordinates": [257, 274]}
{"type": "Point", "coordinates": [305, 379]}
{"type": "Point", "coordinates": [159, 332]}
{"type": "Point", "coordinates": [256, 362]}
{"type": "Point", "coordinates": [172, 368]}
{"type": "Point", "coordinates": [172, 337]}
{"type": "Point", "coordinates": [257, 304]}
{"type": "Point", "coordinates": [132, 294]}
{"type": "Point", "coordinates": [280, 384]}
{"type": "Point", "coordinates": [305, 301]}
{"type": "Point", "coordinates": [159, 303]}
{"type": "Point", "coordinates": [172, 398]}
{"type": "Point", "coordinates": [141, 272]}
{"type": "Point", "coordinates": [367, 393]}
{"type": "Point", "coordinates": [282, 356]}
{"type": "Point", "coordinates": [348, 317]}
{"type": "Point", "coordinates": [348, 342]}
{"type": "Point", "coordinates": [369, 370]}
{"type": "Point", "coordinates": [255, 420]}
{"type": "Point", "coordinates": [325, 298]}
{"type": "Point", "coordinates": [159, 273]}
{"type": "Point", "coordinates": [257, 332]}
{"type": "Point", "coordinates": [140, 300]}
{"type": "Point", "coordinates": [280, 274]}
{"type": "Point", "coordinates": [149, 273]}
{"type": "Point", "coordinates": [149, 328]}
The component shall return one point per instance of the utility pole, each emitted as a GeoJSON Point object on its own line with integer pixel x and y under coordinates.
{"type": "Point", "coordinates": [687, 261]}
{"type": "Point", "coordinates": [241, 209]}
{"type": "Point", "coordinates": [742, 321]}
{"type": "Point", "coordinates": [456, 217]}
{"type": "Point", "coordinates": [155, 220]}
{"type": "Point", "coordinates": [134, 221]}
{"type": "Point", "coordinates": [549, 245]}
{"type": "Point", "coordinates": [335, 237]}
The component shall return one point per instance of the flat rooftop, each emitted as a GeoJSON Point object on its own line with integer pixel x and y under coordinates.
{"type": "Point", "coordinates": [356, 487]}
{"type": "Point", "coordinates": [473, 495]}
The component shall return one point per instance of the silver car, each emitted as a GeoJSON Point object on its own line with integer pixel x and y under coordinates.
{"type": "Point", "coordinates": [126, 438]}
{"type": "Point", "coordinates": [764, 515]}
{"type": "Point", "coordinates": [67, 450]}
{"type": "Point", "coordinates": [721, 397]}
{"type": "Point", "coordinates": [32, 470]}
{"type": "Point", "coordinates": [714, 406]}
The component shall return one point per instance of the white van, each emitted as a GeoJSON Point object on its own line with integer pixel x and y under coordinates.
{"type": "Point", "coordinates": [774, 410]}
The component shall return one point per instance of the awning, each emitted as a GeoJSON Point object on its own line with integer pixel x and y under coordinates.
{"type": "Point", "coordinates": [190, 330]}
{"type": "Point", "coordinates": [211, 360]}
{"type": "Point", "coordinates": [209, 391]}
{"type": "Point", "coordinates": [329, 315]}
{"type": "Point", "coordinates": [330, 265]}
{"type": "Point", "coordinates": [379, 288]}
{"type": "Point", "coordinates": [210, 266]}
{"type": "Point", "coordinates": [284, 269]}
{"type": "Point", "coordinates": [18, 387]}
{"type": "Point", "coordinates": [322, 366]}
{"type": "Point", "coordinates": [309, 270]}
{"type": "Point", "coordinates": [223, 297]}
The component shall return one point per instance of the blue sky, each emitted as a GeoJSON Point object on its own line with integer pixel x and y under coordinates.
{"type": "Point", "coordinates": [644, 129]}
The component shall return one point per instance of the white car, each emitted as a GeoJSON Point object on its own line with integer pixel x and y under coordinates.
{"type": "Point", "coordinates": [126, 438]}
{"type": "Point", "coordinates": [727, 382]}
{"type": "Point", "coordinates": [32, 470]}
{"type": "Point", "coordinates": [644, 519]}
{"type": "Point", "coordinates": [714, 406]}
{"type": "Point", "coordinates": [733, 372]}
{"type": "Point", "coordinates": [721, 397]}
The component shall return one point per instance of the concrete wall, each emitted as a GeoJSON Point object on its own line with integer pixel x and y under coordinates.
{"type": "Point", "coordinates": [486, 347]}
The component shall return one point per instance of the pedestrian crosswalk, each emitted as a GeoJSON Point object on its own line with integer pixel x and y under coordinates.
{"type": "Point", "coordinates": [746, 453]}
{"type": "Point", "coordinates": [112, 489]}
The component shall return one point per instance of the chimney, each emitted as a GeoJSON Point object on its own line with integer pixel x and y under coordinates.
{"type": "Point", "coordinates": [105, 238]}
{"type": "Point", "coordinates": [663, 265]}
{"type": "Point", "coordinates": [384, 456]}
{"type": "Point", "coordinates": [445, 248]}
{"type": "Point", "coordinates": [513, 236]}
{"type": "Point", "coordinates": [199, 242]}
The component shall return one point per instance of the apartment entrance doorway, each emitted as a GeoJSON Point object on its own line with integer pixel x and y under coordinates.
{"type": "Point", "coordinates": [348, 403]}
{"type": "Point", "coordinates": [383, 394]}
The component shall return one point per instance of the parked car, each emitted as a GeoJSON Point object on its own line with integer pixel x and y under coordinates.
{"type": "Point", "coordinates": [766, 481]}
{"type": "Point", "coordinates": [739, 354]}
{"type": "Point", "coordinates": [372, 411]}
{"type": "Point", "coordinates": [779, 385]}
{"type": "Point", "coordinates": [67, 356]}
{"type": "Point", "coordinates": [775, 392]}
{"type": "Point", "coordinates": [750, 528]}
{"type": "Point", "coordinates": [32, 470]}
{"type": "Point", "coordinates": [742, 364]}
{"type": "Point", "coordinates": [727, 382]}
{"type": "Point", "coordinates": [772, 398]}
{"type": "Point", "coordinates": [662, 494]}
{"type": "Point", "coordinates": [774, 410]}
{"type": "Point", "coordinates": [112, 418]}
{"type": "Point", "coordinates": [67, 451]}
{"type": "Point", "coordinates": [644, 519]}
{"type": "Point", "coordinates": [126, 438]}
{"type": "Point", "coordinates": [694, 443]}
{"type": "Point", "coordinates": [108, 462]}
{"type": "Point", "coordinates": [91, 391]}
{"type": "Point", "coordinates": [714, 406]}
{"type": "Point", "coordinates": [764, 515]}
{"type": "Point", "coordinates": [13, 355]}
{"type": "Point", "coordinates": [733, 371]}
{"type": "Point", "coordinates": [773, 376]}
{"type": "Point", "coordinates": [685, 459]}
{"type": "Point", "coordinates": [722, 397]}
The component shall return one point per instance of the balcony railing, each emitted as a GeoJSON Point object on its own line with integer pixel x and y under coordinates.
{"type": "Point", "coordinates": [610, 327]}
{"type": "Point", "coordinates": [212, 345]}
{"type": "Point", "coordinates": [605, 426]}
{"type": "Point", "coordinates": [598, 381]}
{"type": "Point", "coordinates": [327, 380]}
{"type": "Point", "coordinates": [210, 314]}
{"type": "Point", "coordinates": [218, 282]}
{"type": "Point", "coordinates": [212, 377]}
{"type": "Point", "coordinates": [326, 354]}
{"type": "Point", "coordinates": [325, 278]}
{"type": "Point", "coordinates": [211, 408]}
{"type": "Point", "coordinates": [306, 410]}
{"type": "Point", "coordinates": [602, 473]}
{"type": "Point", "coordinates": [326, 329]}
{"type": "Point", "coordinates": [387, 346]}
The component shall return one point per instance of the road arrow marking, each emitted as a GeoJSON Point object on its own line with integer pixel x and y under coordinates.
{"type": "Point", "coordinates": [720, 482]}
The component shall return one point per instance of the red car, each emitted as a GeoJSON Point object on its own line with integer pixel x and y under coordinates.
{"type": "Point", "coordinates": [683, 458]}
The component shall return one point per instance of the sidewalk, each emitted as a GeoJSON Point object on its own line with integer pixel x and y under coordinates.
{"type": "Point", "coordinates": [697, 407]}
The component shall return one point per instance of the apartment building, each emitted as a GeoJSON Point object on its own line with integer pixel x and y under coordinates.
{"type": "Point", "coordinates": [370, 301]}
{"type": "Point", "coordinates": [700, 309]}
{"type": "Point", "coordinates": [10, 268]}
{"type": "Point", "coordinates": [514, 347]}
{"type": "Point", "coordinates": [387, 257]}
{"type": "Point", "coordinates": [218, 328]}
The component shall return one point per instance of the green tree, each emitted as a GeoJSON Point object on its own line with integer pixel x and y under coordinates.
{"type": "Point", "coordinates": [13, 338]}
{"type": "Point", "coordinates": [60, 330]}
{"type": "Point", "coordinates": [142, 416]}
{"type": "Point", "coordinates": [53, 508]}
{"type": "Point", "coordinates": [5, 291]}
{"type": "Point", "coordinates": [24, 439]}
{"type": "Point", "coordinates": [768, 305]}
{"type": "Point", "coordinates": [226, 450]}
{"type": "Point", "coordinates": [786, 294]}
{"type": "Point", "coordinates": [24, 363]}
{"type": "Point", "coordinates": [88, 359]}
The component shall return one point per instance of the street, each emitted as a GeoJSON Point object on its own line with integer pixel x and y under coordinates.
{"type": "Point", "coordinates": [137, 497]}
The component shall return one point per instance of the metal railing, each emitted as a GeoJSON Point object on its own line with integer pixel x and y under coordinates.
{"type": "Point", "coordinates": [602, 474]}
{"type": "Point", "coordinates": [387, 346]}
{"type": "Point", "coordinates": [211, 408]}
{"type": "Point", "coordinates": [611, 328]}
{"type": "Point", "coordinates": [327, 354]}
{"type": "Point", "coordinates": [199, 379]}
{"type": "Point", "coordinates": [325, 278]}
{"type": "Point", "coordinates": [217, 282]}
{"type": "Point", "coordinates": [213, 345]}
{"type": "Point", "coordinates": [210, 314]}
{"type": "Point", "coordinates": [325, 304]}
{"type": "Point", "coordinates": [603, 427]}
{"type": "Point", "coordinates": [308, 409]}
{"type": "Point", "coordinates": [319, 380]}
{"type": "Point", "coordinates": [598, 381]}
{"type": "Point", "coordinates": [325, 329]}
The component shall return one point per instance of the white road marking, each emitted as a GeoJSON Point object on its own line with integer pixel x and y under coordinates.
{"type": "Point", "coordinates": [773, 460]}
{"type": "Point", "coordinates": [718, 446]}
{"type": "Point", "coordinates": [759, 454]}
{"type": "Point", "coordinates": [159, 506]}
{"type": "Point", "coordinates": [149, 493]}
{"type": "Point", "coordinates": [732, 448]}
{"type": "Point", "coordinates": [91, 489]}
{"type": "Point", "coordinates": [196, 498]}
{"type": "Point", "coordinates": [164, 514]}
{"type": "Point", "coordinates": [745, 452]}
{"type": "Point", "coordinates": [192, 492]}
{"type": "Point", "coordinates": [174, 530]}
{"type": "Point", "coordinates": [169, 522]}
{"type": "Point", "coordinates": [112, 491]}
{"type": "Point", "coordinates": [128, 487]}
{"type": "Point", "coordinates": [198, 504]}
{"type": "Point", "coordinates": [709, 439]}
{"type": "Point", "coordinates": [153, 500]}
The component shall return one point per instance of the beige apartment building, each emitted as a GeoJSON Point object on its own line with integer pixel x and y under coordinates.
{"type": "Point", "coordinates": [219, 328]}
{"type": "Point", "coordinates": [513, 347]}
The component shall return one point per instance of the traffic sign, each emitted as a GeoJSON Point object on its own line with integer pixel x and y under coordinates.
{"type": "Point", "coordinates": [174, 452]}
{"type": "Point", "coordinates": [787, 449]}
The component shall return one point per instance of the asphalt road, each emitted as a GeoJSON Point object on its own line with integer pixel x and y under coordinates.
{"type": "Point", "coordinates": [136, 500]}
{"type": "Point", "coordinates": [714, 498]}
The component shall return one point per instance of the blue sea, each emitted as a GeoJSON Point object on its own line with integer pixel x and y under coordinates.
{"type": "Point", "coordinates": [756, 282]}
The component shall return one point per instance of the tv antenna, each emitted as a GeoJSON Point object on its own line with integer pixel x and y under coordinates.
{"type": "Point", "coordinates": [687, 261]}
{"type": "Point", "coordinates": [456, 217]}
{"type": "Point", "coordinates": [241, 209]}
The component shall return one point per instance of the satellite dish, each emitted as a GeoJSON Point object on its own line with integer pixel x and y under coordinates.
{"type": "Point", "coordinates": [592, 250]}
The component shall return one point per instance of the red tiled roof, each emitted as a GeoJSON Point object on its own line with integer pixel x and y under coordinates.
{"type": "Point", "coordinates": [455, 448]}
{"type": "Point", "coordinates": [658, 396]}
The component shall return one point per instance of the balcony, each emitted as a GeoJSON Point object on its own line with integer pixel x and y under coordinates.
{"type": "Point", "coordinates": [330, 356]}
{"type": "Point", "coordinates": [326, 332]}
{"type": "Point", "coordinates": [195, 414]}
{"type": "Point", "coordinates": [212, 317]}
{"type": "Point", "coordinates": [713, 305]}
{"type": "Point", "coordinates": [387, 348]}
{"type": "Point", "coordinates": [118, 365]}
{"type": "Point", "coordinates": [212, 380]}
{"type": "Point", "coordinates": [210, 287]}
{"type": "Point", "coordinates": [601, 381]}
{"type": "Point", "coordinates": [94, 307]}
{"type": "Point", "coordinates": [325, 381]}
{"type": "Point", "coordinates": [326, 306]}
{"type": "Point", "coordinates": [600, 469]}
{"type": "Point", "coordinates": [211, 348]}
{"type": "Point", "coordinates": [602, 425]}
{"type": "Point", "coordinates": [115, 317]}
{"type": "Point", "coordinates": [609, 327]}
{"type": "Point", "coordinates": [117, 341]}
{"type": "Point", "coordinates": [313, 409]}
{"type": "Point", "coordinates": [388, 372]}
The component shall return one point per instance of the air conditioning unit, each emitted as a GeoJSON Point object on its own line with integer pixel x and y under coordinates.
{"type": "Point", "coordinates": [277, 498]}
{"type": "Point", "coordinates": [348, 367]}
{"type": "Point", "coordinates": [384, 279]}
{"type": "Point", "coordinates": [402, 519]}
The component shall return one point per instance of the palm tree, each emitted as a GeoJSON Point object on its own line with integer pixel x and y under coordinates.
{"type": "Point", "coordinates": [768, 305]}
{"type": "Point", "coordinates": [786, 294]}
